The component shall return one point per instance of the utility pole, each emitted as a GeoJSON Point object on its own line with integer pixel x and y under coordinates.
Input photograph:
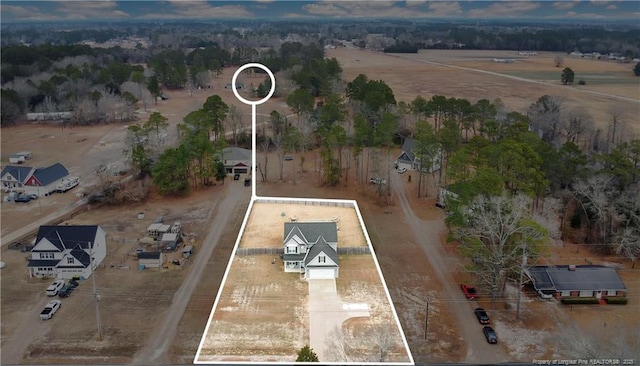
{"type": "Point", "coordinates": [426, 320]}
{"type": "Point", "coordinates": [524, 263]}
{"type": "Point", "coordinates": [96, 296]}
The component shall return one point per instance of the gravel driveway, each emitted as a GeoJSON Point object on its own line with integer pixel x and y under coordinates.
{"type": "Point", "coordinates": [426, 235]}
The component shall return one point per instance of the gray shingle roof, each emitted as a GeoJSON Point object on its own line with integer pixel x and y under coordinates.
{"type": "Point", "coordinates": [312, 231]}
{"type": "Point", "coordinates": [50, 174]}
{"type": "Point", "coordinates": [407, 147]}
{"type": "Point", "coordinates": [71, 235]}
{"type": "Point", "coordinates": [584, 277]}
{"type": "Point", "coordinates": [20, 173]}
{"type": "Point", "coordinates": [319, 247]}
{"type": "Point", "coordinates": [34, 263]}
{"type": "Point", "coordinates": [236, 153]}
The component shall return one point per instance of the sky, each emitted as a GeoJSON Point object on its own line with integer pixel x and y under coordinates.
{"type": "Point", "coordinates": [132, 10]}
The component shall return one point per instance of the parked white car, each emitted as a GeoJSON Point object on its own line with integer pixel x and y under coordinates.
{"type": "Point", "coordinates": [55, 287]}
{"type": "Point", "coordinates": [377, 181]}
{"type": "Point", "coordinates": [50, 309]}
{"type": "Point", "coordinates": [402, 170]}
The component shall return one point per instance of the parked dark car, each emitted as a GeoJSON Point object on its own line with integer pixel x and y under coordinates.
{"type": "Point", "coordinates": [247, 182]}
{"type": "Point", "coordinates": [469, 291]}
{"type": "Point", "coordinates": [482, 316]}
{"type": "Point", "coordinates": [66, 290]}
{"type": "Point", "coordinates": [73, 283]}
{"type": "Point", "coordinates": [22, 198]}
{"type": "Point", "coordinates": [490, 335]}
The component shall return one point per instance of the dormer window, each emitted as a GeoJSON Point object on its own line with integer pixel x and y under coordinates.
{"type": "Point", "coordinates": [70, 260]}
{"type": "Point", "coordinates": [322, 259]}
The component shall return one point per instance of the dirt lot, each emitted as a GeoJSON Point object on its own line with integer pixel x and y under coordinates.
{"type": "Point", "coordinates": [427, 74]}
{"type": "Point", "coordinates": [257, 310]}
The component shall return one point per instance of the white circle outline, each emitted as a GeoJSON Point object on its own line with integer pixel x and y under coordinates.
{"type": "Point", "coordinates": [260, 66]}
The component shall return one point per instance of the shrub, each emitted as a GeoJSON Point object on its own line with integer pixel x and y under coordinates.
{"type": "Point", "coordinates": [617, 300]}
{"type": "Point", "coordinates": [579, 300]}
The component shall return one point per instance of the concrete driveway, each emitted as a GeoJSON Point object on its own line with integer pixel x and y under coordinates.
{"type": "Point", "coordinates": [326, 312]}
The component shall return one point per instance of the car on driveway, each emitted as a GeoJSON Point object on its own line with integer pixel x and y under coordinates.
{"type": "Point", "coordinates": [402, 170]}
{"type": "Point", "coordinates": [469, 291]}
{"type": "Point", "coordinates": [482, 316]}
{"type": "Point", "coordinates": [66, 290]}
{"type": "Point", "coordinates": [377, 181]}
{"type": "Point", "coordinates": [288, 158]}
{"type": "Point", "coordinates": [50, 309]}
{"type": "Point", "coordinates": [22, 198]}
{"type": "Point", "coordinates": [490, 335]}
{"type": "Point", "coordinates": [55, 287]}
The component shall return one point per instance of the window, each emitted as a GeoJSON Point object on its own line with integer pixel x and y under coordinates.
{"type": "Point", "coordinates": [292, 249]}
{"type": "Point", "coordinates": [322, 259]}
{"type": "Point", "coordinates": [46, 255]}
{"type": "Point", "coordinates": [70, 260]}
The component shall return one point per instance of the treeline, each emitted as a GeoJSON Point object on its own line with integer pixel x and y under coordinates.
{"type": "Point", "coordinates": [91, 82]}
{"type": "Point", "coordinates": [404, 47]}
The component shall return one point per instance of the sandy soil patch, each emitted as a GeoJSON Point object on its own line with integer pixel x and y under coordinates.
{"type": "Point", "coordinates": [267, 223]}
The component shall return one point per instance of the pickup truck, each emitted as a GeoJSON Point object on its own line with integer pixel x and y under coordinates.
{"type": "Point", "coordinates": [50, 309]}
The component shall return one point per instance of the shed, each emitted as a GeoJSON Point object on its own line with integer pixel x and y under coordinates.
{"type": "Point", "coordinates": [151, 259]}
{"type": "Point", "coordinates": [170, 241]}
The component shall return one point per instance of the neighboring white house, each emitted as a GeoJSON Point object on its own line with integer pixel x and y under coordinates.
{"type": "Point", "coordinates": [14, 177]}
{"type": "Point", "coordinates": [236, 160]}
{"type": "Point", "coordinates": [409, 157]}
{"type": "Point", "coordinates": [44, 181]}
{"type": "Point", "coordinates": [67, 251]}
{"type": "Point", "coordinates": [310, 248]}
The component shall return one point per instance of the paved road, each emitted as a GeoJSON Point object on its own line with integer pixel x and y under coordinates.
{"type": "Point", "coordinates": [34, 225]}
{"type": "Point", "coordinates": [159, 341]}
{"type": "Point", "coordinates": [427, 236]}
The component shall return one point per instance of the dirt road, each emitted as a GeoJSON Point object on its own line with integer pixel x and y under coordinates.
{"type": "Point", "coordinates": [156, 349]}
{"type": "Point", "coordinates": [427, 236]}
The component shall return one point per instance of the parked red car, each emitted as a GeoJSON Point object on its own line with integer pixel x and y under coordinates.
{"type": "Point", "coordinates": [469, 291]}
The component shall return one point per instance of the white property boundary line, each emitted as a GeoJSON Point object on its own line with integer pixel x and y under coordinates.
{"type": "Point", "coordinates": [287, 200]}
{"type": "Point", "coordinates": [290, 200]}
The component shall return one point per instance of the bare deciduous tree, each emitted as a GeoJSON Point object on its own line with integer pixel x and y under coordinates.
{"type": "Point", "coordinates": [496, 231]}
{"type": "Point", "coordinates": [579, 124]}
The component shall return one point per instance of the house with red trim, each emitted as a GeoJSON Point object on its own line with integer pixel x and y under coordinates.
{"type": "Point", "coordinates": [44, 181]}
{"type": "Point", "coordinates": [236, 160]}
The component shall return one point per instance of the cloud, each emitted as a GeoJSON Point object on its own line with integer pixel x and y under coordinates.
{"type": "Point", "coordinates": [325, 10]}
{"type": "Point", "coordinates": [612, 7]}
{"type": "Point", "coordinates": [23, 13]}
{"type": "Point", "coordinates": [80, 10]}
{"type": "Point", "coordinates": [380, 9]}
{"type": "Point", "coordinates": [445, 9]}
{"type": "Point", "coordinates": [504, 9]}
{"type": "Point", "coordinates": [264, 1]}
{"type": "Point", "coordinates": [411, 3]}
{"type": "Point", "coordinates": [200, 9]}
{"type": "Point", "coordinates": [562, 5]}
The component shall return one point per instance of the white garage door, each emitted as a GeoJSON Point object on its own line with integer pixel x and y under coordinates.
{"type": "Point", "coordinates": [320, 273]}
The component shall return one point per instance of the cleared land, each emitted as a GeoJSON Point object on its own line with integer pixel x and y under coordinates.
{"type": "Point", "coordinates": [262, 312]}
{"type": "Point", "coordinates": [432, 72]}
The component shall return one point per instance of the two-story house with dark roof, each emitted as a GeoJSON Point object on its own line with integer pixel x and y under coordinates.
{"type": "Point", "coordinates": [44, 181]}
{"type": "Point", "coordinates": [410, 157]}
{"type": "Point", "coordinates": [14, 177]}
{"type": "Point", "coordinates": [67, 251]}
{"type": "Point", "coordinates": [311, 248]}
